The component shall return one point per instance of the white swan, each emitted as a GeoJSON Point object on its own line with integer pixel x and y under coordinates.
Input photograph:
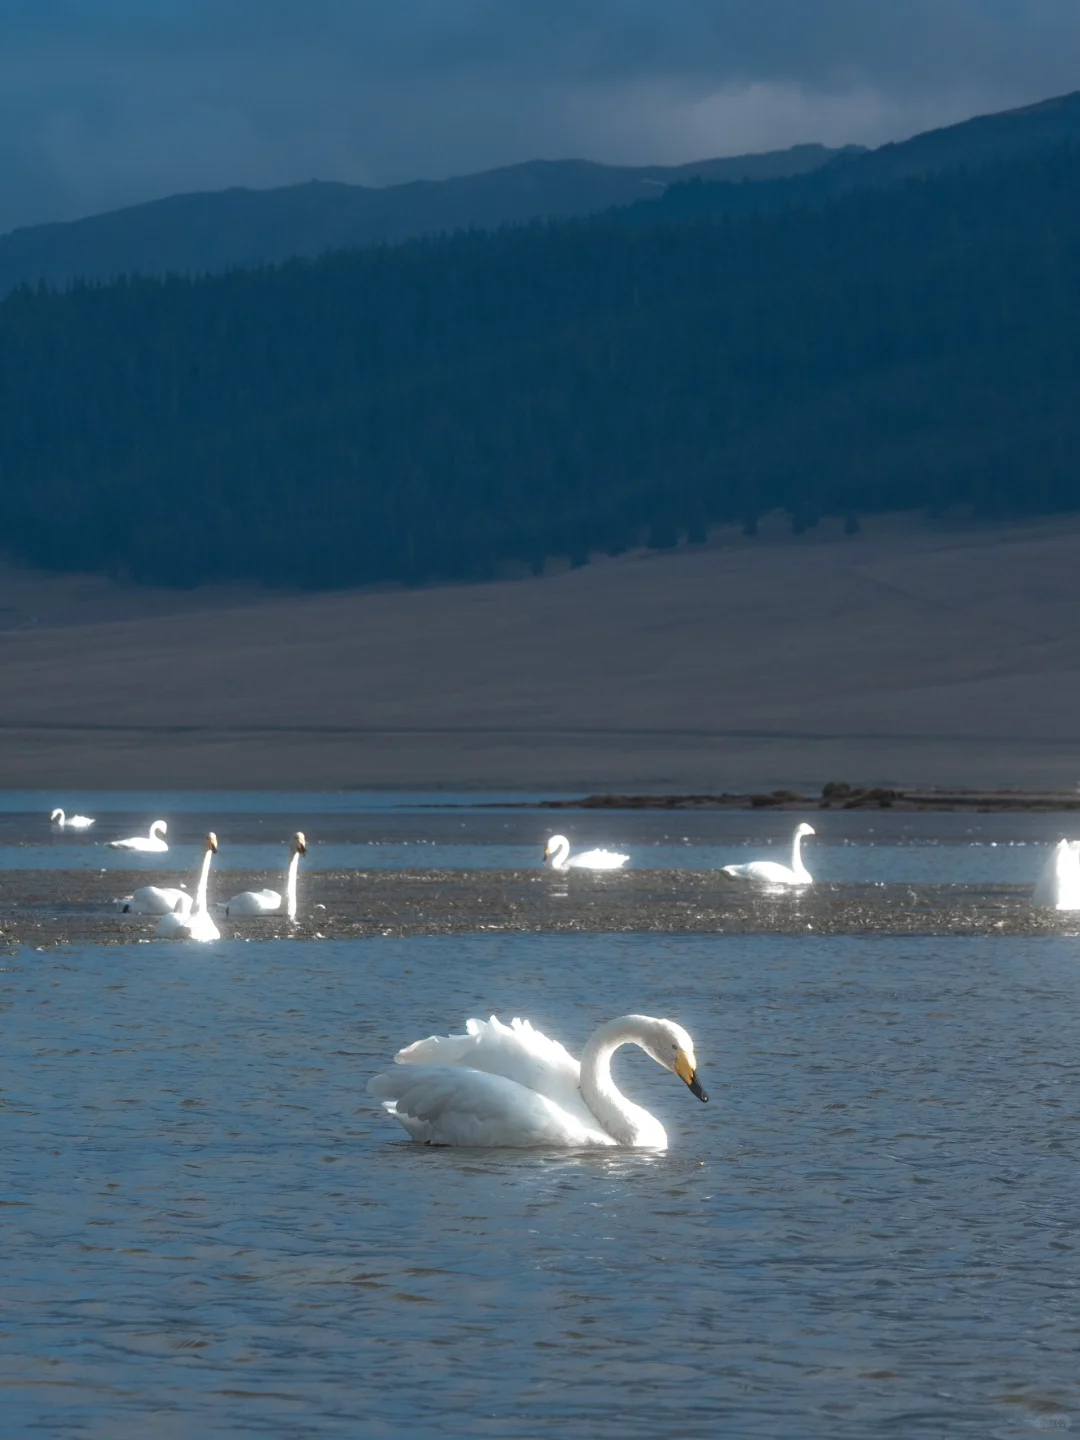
{"type": "Point", "coordinates": [196, 924]}
{"type": "Point", "coordinates": [557, 851]}
{"type": "Point", "coordinates": [510, 1085]}
{"type": "Point", "coordinates": [771, 872]}
{"type": "Point", "coordinates": [268, 902]}
{"type": "Point", "coordinates": [1058, 887]}
{"type": "Point", "coordinates": [154, 900]}
{"type": "Point", "coordinates": [153, 841]}
{"type": "Point", "coordinates": [75, 822]}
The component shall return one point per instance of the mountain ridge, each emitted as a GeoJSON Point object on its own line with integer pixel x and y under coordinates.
{"type": "Point", "coordinates": [205, 232]}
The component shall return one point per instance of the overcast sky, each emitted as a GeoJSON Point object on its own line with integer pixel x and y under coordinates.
{"type": "Point", "coordinates": [108, 102]}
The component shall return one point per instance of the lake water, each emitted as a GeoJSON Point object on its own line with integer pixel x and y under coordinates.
{"type": "Point", "coordinates": [872, 1227]}
{"type": "Point", "coordinates": [466, 832]}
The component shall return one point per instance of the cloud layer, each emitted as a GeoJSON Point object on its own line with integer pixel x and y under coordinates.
{"type": "Point", "coordinates": [108, 102]}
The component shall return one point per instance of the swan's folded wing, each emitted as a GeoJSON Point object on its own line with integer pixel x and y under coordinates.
{"type": "Point", "coordinates": [766, 872]}
{"type": "Point", "coordinates": [451, 1105]}
{"type": "Point", "coordinates": [515, 1051]}
{"type": "Point", "coordinates": [599, 860]}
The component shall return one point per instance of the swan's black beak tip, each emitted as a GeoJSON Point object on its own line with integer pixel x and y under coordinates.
{"type": "Point", "coordinates": [695, 1089]}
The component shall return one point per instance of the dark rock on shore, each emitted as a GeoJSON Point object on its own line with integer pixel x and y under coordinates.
{"type": "Point", "coordinates": [839, 795]}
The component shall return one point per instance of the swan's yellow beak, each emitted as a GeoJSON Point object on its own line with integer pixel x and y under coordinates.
{"type": "Point", "coordinates": [684, 1068]}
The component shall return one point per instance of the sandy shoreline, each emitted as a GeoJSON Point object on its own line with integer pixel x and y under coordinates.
{"type": "Point", "coordinates": [910, 654]}
{"type": "Point", "coordinates": [50, 907]}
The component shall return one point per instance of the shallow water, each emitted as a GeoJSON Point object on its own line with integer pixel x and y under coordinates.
{"type": "Point", "coordinates": [363, 831]}
{"type": "Point", "coordinates": [871, 1228]}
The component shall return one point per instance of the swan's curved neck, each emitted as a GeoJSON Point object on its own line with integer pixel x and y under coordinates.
{"type": "Point", "coordinates": [290, 886]}
{"type": "Point", "coordinates": [204, 874]}
{"type": "Point", "coordinates": [155, 830]}
{"type": "Point", "coordinates": [796, 857]}
{"type": "Point", "coordinates": [560, 856]}
{"type": "Point", "coordinates": [625, 1122]}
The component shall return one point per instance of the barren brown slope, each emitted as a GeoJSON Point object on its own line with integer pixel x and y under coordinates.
{"type": "Point", "coordinates": [905, 654]}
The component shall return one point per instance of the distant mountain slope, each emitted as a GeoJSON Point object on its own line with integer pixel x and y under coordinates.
{"type": "Point", "coordinates": [972, 144]}
{"type": "Point", "coordinates": [213, 231]}
{"type": "Point", "coordinates": [445, 407]}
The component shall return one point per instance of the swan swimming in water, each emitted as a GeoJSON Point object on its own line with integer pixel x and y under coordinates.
{"type": "Point", "coordinates": [771, 872]}
{"type": "Point", "coordinates": [152, 842]}
{"type": "Point", "coordinates": [268, 902]}
{"type": "Point", "coordinates": [557, 852]}
{"type": "Point", "coordinates": [74, 822]}
{"type": "Point", "coordinates": [510, 1085]}
{"type": "Point", "coordinates": [196, 923]}
{"type": "Point", "coordinates": [1058, 887]}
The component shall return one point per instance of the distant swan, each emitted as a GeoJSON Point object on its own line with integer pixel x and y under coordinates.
{"type": "Point", "coordinates": [153, 841]}
{"type": "Point", "coordinates": [153, 900]}
{"type": "Point", "coordinates": [268, 902]}
{"type": "Point", "coordinates": [196, 924]}
{"type": "Point", "coordinates": [1058, 887]}
{"type": "Point", "coordinates": [557, 851]}
{"type": "Point", "coordinates": [770, 872]}
{"type": "Point", "coordinates": [510, 1085]}
{"type": "Point", "coordinates": [75, 822]}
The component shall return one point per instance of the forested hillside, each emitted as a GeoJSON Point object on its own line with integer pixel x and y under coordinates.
{"type": "Point", "coordinates": [984, 140]}
{"type": "Point", "coordinates": [222, 229]}
{"type": "Point", "coordinates": [427, 411]}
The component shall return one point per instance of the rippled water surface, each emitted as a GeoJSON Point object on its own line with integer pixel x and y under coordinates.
{"type": "Point", "coordinates": [364, 831]}
{"type": "Point", "coordinates": [871, 1229]}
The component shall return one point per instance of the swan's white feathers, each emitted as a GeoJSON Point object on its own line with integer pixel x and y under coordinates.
{"type": "Point", "coordinates": [516, 1051]}
{"type": "Point", "coordinates": [557, 852]}
{"type": "Point", "coordinates": [452, 1105]}
{"type": "Point", "coordinates": [766, 872]}
{"type": "Point", "coordinates": [196, 925]}
{"type": "Point", "coordinates": [1058, 887]}
{"type": "Point", "coordinates": [254, 902]}
{"type": "Point", "coordinates": [598, 860]}
{"type": "Point", "coordinates": [74, 822]}
{"type": "Point", "coordinates": [157, 900]}
{"type": "Point", "coordinates": [151, 842]}
{"type": "Point", "coordinates": [771, 872]}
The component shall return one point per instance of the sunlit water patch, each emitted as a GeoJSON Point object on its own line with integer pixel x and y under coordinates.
{"type": "Point", "coordinates": [871, 1228]}
{"type": "Point", "coordinates": [423, 832]}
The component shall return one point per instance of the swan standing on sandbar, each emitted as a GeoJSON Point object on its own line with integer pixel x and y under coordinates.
{"type": "Point", "coordinates": [510, 1085]}
{"type": "Point", "coordinates": [557, 852]}
{"type": "Point", "coordinates": [771, 872]}
{"type": "Point", "coordinates": [196, 924]}
{"type": "Point", "coordinates": [1058, 887]}
{"type": "Point", "coordinates": [268, 902]}
{"type": "Point", "coordinates": [152, 842]}
{"type": "Point", "coordinates": [72, 822]}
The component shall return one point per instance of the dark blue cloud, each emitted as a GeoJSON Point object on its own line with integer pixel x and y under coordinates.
{"type": "Point", "coordinates": [105, 102]}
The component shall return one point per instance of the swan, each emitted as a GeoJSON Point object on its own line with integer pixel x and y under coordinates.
{"type": "Point", "coordinates": [510, 1085]}
{"type": "Point", "coordinates": [1058, 887]}
{"type": "Point", "coordinates": [770, 872]}
{"type": "Point", "coordinates": [268, 902]}
{"type": "Point", "coordinates": [75, 822]}
{"type": "Point", "coordinates": [557, 851]}
{"type": "Point", "coordinates": [153, 841]}
{"type": "Point", "coordinates": [152, 900]}
{"type": "Point", "coordinates": [196, 923]}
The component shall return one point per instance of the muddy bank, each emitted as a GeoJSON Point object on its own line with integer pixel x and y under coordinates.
{"type": "Point", "coordinates": [838, 795]}
{"type": "Point", "coordinates": [83, 907]}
